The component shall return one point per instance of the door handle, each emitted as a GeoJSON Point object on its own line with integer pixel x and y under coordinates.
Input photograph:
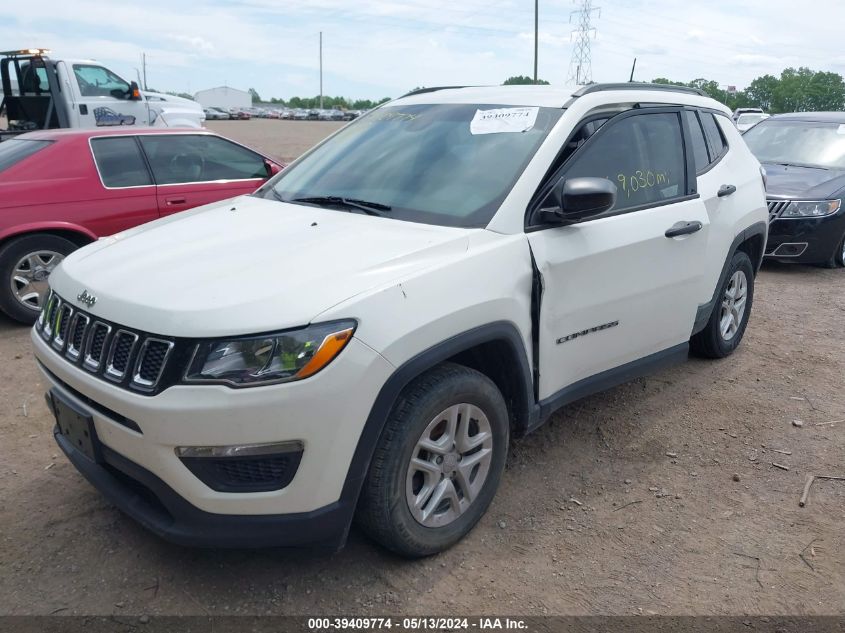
{"type": "Point", "coordinates": [726, 190]}
{"type": "Point", "coordinates": [683, 228]}
{"type": "Point", "coordinates": [174, 201]}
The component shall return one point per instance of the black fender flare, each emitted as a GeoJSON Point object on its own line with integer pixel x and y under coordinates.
{"type": "Point", "coordinates": [702, 316]}
{"type": "Point", "coordinates": [499, 331]}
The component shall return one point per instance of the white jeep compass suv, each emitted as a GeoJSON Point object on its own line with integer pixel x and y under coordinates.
{"type": "Point", "coordinates": [363, 336]}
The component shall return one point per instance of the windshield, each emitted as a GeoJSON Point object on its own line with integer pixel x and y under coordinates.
{"type": "Point", "coordinates": [748, 119]}
{"type": "Point", "coordinates": [811, 143]}
{"type": "Point", "coordinates": [422, 163]}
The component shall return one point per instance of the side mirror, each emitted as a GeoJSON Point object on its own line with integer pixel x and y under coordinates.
{"type": "Point", "coordinates": [272, 168]}
{"type": "Point", "coordinates": [134, 92]}
{"type": "Point", "coordinates": [575, 199]}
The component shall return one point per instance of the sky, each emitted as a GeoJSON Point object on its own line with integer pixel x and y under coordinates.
{"type": "Point", "coordinates": [383, 48]}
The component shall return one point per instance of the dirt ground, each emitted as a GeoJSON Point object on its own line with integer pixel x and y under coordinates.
{"type": "Point", "coordinates": [625, 503]}
{"type": "Point", "coordinates": [284, 140]}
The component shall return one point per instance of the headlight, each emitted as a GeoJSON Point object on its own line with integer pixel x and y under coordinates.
{"type": "Point", "coordinates": [813, 209]}
{"type": "Point", "coordinates": [270, 358]}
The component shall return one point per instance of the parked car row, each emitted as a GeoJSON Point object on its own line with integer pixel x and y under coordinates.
{"type": "Point", "coordinates": [294, 114]}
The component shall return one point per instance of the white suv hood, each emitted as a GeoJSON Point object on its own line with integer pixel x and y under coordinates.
{"type": "Point", "coordinates": [246, 265]}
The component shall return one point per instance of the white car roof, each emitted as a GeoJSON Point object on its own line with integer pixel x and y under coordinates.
{"type": "Point", "coordinates": [559, 97]}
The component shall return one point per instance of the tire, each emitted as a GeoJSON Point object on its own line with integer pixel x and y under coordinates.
{"type": "Point", "coordinates": [837, 259]}
{"type": "Point", "coordinates": [16, 252]}
{"type": "Point", "coordinates": [713, 341]}
{"type": "Point", "coordinates": [384, 510]}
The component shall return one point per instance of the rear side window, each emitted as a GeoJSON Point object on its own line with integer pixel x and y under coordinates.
{"type": "Point", "coordinates": [120, 162]}
{"type": "Point", "coordinates": [699, 144]}
{"type": "Point", "coordinates": [642, 155]}
{"type": "Point", "coordinates": [15, 150]}
{"type": "Point", "coordinates": [184, 158]}
{"type": "Point", "coordinates": [715, 137]}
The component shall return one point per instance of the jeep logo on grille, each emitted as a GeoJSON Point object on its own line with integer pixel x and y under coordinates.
{"type": "Point", "coordinates": [86, 298]}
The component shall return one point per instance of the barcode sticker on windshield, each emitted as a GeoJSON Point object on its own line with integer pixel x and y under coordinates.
{"type": "Point", "coordinates": [512, 120]}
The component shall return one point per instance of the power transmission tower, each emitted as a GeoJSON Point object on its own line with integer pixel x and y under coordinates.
{"type": "Point", "coordinates": [580, 66]}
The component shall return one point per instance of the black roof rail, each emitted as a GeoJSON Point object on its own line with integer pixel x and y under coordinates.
{"type": "Point", "coordinates": [422, 91]}
{"type": "Point", "coordinates": [637, 86]}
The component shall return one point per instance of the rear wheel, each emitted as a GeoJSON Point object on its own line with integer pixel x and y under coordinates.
{"type": "Point", "coordinates": [438, 462]}
{"type": "Point", "coordinates": [25, 265]}
{"type": "Point", "coordinates": [726, 326]}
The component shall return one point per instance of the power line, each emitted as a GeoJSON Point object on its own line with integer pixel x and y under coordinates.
{"type": "Point", "coordinates": [581, 66]}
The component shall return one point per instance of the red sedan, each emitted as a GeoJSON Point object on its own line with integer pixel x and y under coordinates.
{"type": "Point", "coordinates": [61, 189]}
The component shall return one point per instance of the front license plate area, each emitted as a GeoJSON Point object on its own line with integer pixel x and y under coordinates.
{"type": "Point", "coordinates": [76, 426]}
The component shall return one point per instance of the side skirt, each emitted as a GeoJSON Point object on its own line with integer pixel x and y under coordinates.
{"type": "Point", "coordinates": [609, 378]}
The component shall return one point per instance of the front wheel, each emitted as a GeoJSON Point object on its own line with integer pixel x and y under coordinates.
{"type": "Point", "coordinates": [438, 462]}
{"type": "Point", "coordinates": [837, 259]}
{"type": "Point", "coordinates": [25, 265]}
{"type": "Point", "coordinates": [727, 323]}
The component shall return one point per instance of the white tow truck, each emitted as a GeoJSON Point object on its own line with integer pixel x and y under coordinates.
{"type": "Point", "coordinates": [40, 92]}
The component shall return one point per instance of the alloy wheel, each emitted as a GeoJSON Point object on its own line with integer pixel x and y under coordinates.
{"type": "Point", "coordinates": [29, 277]}
{"type": "Point", "coordinates": [449, 465]}
{"type": "Point", "coordinates": [733, 305]}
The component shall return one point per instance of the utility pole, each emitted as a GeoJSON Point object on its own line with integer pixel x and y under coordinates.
{"type": "Point", "coordinates": [580, 66]}
{"type": "Point", "coordinates": [536, 32]}
{"type": "Point", "coordinates": [321, 70]}
{"type": "Point", "coordinates": [144, 66]}
{"type": "Point", "coordinates": [633, 68]}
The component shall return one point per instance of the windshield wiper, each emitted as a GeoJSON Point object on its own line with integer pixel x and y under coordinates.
{"type": "Point", "coordinates": [370, 208]}
{"type": "Point", "coordinates": [805, 165]}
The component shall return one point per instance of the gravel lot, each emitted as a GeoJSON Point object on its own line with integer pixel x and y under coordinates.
{"type": "Point", "coordinates": [656, 497]}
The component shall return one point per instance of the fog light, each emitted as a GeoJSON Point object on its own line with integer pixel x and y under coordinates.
{"type": "Point", "coordinates": [244, 468]}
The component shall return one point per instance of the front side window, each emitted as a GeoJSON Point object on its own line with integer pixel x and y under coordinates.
{"type": "Point", "coordinates": [183, 158]}
{"type": "Point", "coordinates": [642, 155]}
{"type": "Point", "coordinates": [445, 164]}
{"type": "Point", "coordinates": [120, 162]}
{"type": "Point", "coordinates": [96, 81]}
{"type": "Point", "coordinates": [802, 143]}
{"type": "Point", "coordinates": [15, 150]}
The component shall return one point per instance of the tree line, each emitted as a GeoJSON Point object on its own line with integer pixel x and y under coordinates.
{"type": "Point", "coordinates": [796, 90]}
{"type": "Point", "coordinates": [309, 103]}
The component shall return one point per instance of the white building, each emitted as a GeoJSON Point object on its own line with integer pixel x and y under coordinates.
{"type": "Point", "coordinates": [224, 97]}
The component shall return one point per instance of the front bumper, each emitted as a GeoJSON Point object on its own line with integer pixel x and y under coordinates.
{"type": "Point", "coordinates": [155, 505]}
{"type": "Point", "coordinates": [143, 475]}
{"type": "Point", "coordinates": [805, 240]}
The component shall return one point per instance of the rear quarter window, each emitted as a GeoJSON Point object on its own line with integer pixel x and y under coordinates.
{"type": "Point", "coordinates": [119, 162]}
{"type": "Point", "coordinates": [715, 136]}
{"type": "Point", "coordinates": [15, 150]}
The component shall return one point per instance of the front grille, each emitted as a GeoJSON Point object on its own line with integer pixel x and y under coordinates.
{"type": "Point", "coordinates": [96, 344]}
{"type": "Point", "coordinates": [121, 349]}
{"type": "Point", "coordinates": [135, 360]}
{"type": "Point", "coordinates": [776, 207]}
{"type": "Point", "coordinates": [77, 335]}
{"type": "Point", "coordinates": [63, 317]}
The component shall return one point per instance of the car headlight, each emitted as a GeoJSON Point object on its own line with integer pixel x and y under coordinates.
{"type": "Point", "coordinates": [811, 209]}
{"type": "Point", "coordinates": [270, 358]}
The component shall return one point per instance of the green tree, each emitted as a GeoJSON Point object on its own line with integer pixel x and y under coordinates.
{"type": "Point", "coordinates": [762, 91]}
{"type": "Point", "coordinates": [521, 80]}
{"type": "Point", "coordinates": [255, 96]}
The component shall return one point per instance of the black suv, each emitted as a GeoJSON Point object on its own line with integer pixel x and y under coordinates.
{"type": "Point", "coordinates": [804, 158]}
